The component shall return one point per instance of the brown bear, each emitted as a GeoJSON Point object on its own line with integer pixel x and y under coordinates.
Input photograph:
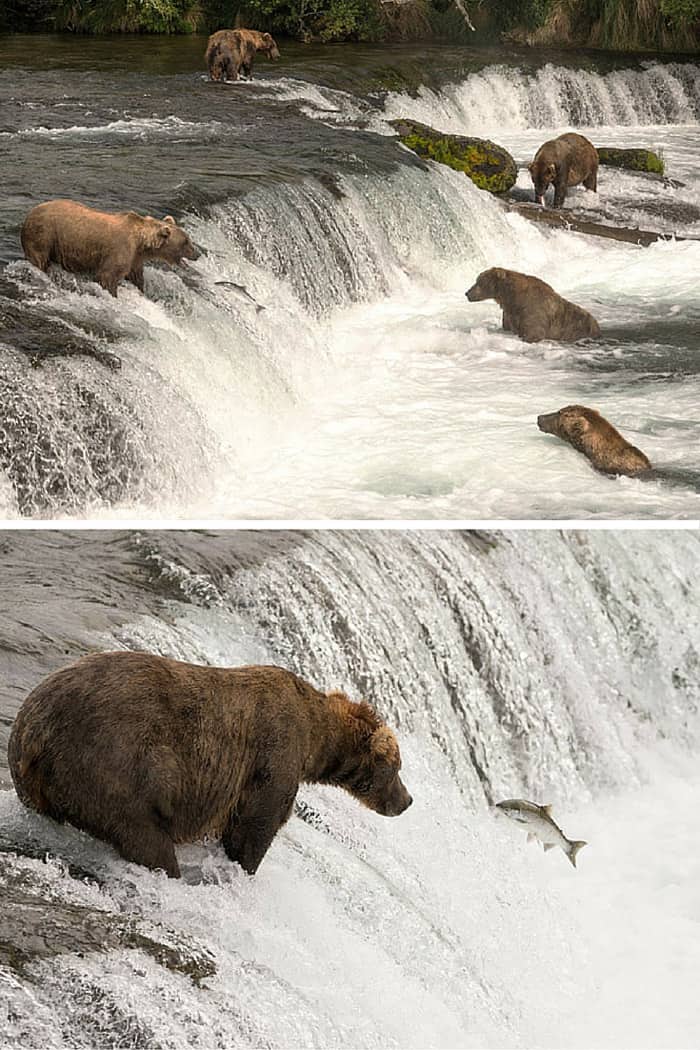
{"type": "Point", "coordinates": [145, 752]}
{"type": "Point", "coordinates": [531, 307]}
{"type": "Point", "coordinates": [110, 245]}
{"type": "Point", "coordinates": [564, 162]}
{"type": "Point", "coordinates": [590, 433]}
{"type": "Point", "coordinates": [242, 45]}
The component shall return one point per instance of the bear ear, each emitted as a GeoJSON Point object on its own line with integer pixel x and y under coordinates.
{"type": "Point", "coordinates": [169, 219]}
{"type": "Point", "coordinates": [383, 745]}
{"type": "Point", "coordinates": [552, 169]}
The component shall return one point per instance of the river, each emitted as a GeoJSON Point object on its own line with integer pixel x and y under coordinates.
{"type": "Point", "coordinates": [367, 387]}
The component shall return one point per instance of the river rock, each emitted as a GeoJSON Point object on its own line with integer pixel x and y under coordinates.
{"type": "Point", "coordinates": [489, 166]}
{"type": "Point", "coordinates": [632, 159]}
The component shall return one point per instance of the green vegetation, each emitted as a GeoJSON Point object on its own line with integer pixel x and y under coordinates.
{"type": "Point", "coordinates": [616, 24]}
{"type": "Point", "coordinates": [128, 16]}
{"type": "Point", "coordinates": [490, 167]}
{"type": "Point", "coordinates": [324, 20]}
{"type": "Point", "coordinates": [620, 25]}
{"type": "Point", "coordinates": [632, 159]}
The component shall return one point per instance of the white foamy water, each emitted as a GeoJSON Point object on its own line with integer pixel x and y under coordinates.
{"type": "Point", "coordinates": [561, 668]}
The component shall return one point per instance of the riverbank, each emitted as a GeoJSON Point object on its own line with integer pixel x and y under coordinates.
{"type": "Point", "coordinates": [627, 25]}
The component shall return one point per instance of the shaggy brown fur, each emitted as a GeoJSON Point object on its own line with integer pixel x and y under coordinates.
{"type": "Point", "coordinates": [112, 246]}
{"type": "Point", "coordinates": [564, 162]}
{"type": "Point", "coordinates": [590, 433]}
{"type": "Point", "coordinates": [531, 307]}
{"type": "Point", "coordinates": [242, 45]}
{"type": "Point", "coordinates": [223, 65]}
{"type": "Point", "coordinates": [145, 752]}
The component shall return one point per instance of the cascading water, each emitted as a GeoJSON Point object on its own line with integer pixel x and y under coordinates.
{"type": "Point", "coordinates": [559, 667]}
{"type": "Point", "coordinates": [338, 370]}
{"type": "Point", "coordinates": [500, 99]}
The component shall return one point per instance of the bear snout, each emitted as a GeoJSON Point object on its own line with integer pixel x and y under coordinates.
{"type": "Point", "coordinates": [399, 800]}
{"type": "Point", "coordinates": [474, 294]}
{"type": "Point", "coordinates": [547, 423]}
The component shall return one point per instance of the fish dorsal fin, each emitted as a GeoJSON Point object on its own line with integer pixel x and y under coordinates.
{"type": "Point", "coordinates": [547, 810]}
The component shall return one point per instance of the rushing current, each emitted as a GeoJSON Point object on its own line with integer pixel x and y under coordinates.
{"type": "Point", "coordinates": [562, 668]}
{"type": "Point", "coordinates": [351, 377]}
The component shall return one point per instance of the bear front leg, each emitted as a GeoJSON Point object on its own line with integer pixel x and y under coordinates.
{"type": "Point", "coordinates": [254, 824]}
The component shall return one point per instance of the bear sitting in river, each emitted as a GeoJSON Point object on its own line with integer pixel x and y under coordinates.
{"type": "Point", "coordinates": [111, 246]}
{"type": "Point", "coordinates": [145, 752]}
{"type": "Point", "coordinates": [588, 432]}
{"type": "Point", "coordinates": [531, 308]}
{"type": "Point", "coordinates": [563, 162]}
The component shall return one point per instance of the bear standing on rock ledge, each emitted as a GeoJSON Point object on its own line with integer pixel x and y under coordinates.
{"type": "Point", "coordinates": [531, 307]}
{"type": "Point", "coordinates": [563, 162]}
{"type": "Point", "coordinates": [145, 752]}
{"type": "Point", "coordinates": [111, 246]}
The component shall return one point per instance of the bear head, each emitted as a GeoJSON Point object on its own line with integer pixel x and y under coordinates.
{"type": "Point", "coordinates": [369, 765]}
{"type": "Point", "coordinates": [269, 47]}
{"type": "Point", "coordinates": [543, 174]}
{"type": "Point", "coordinates": [166, 241]}
{"type": "Point", "coordinates": [488, 285]}
{"type": "Point", "coordinates": [571, 423]}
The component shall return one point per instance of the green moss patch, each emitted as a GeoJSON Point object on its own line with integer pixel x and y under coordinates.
{"type": "Point", "coordinates": [489, 166]}
{"type": "Point", "coordinates": [631, 159]}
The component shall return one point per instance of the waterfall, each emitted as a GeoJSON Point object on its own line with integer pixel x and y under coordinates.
{"type": "Point", "coordinates": [503, 98]}
{"type": "Point", "coordinates": [559, 666]}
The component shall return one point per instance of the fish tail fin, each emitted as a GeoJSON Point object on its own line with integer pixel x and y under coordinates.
{"type": "Point", "coordinates": [573, 849]}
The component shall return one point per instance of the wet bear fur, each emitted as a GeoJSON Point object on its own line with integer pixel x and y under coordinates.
{"type": "Point", "coordinates": [531, 307]}
{"type": "Point", "coordinates": [588, 432]}
{"type": "Point", "coordinates": [111, 246]}
{"type": "Point", "coordinates": [241, 45]}
{"type": "Point", "coordinates": [145, 752]}
{"type": "Point", "coordinates": [563, 162]}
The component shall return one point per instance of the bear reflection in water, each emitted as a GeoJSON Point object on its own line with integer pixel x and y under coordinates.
{"type": "Point", "coordinates": [145, 752]}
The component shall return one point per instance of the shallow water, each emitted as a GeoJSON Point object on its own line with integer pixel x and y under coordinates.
{"type": "Point", "coordinates": [367, 386]}
{"type": "Point", "coordinates": [562, 668]}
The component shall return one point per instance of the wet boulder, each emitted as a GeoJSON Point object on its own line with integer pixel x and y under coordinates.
{"type": "Point", "coordinates": [488, 165]}
{"type": "Point", "coordinates": [631, 159]}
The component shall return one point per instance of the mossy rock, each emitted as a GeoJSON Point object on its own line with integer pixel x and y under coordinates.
{"type": "Point", "coordinates": [489, 166]}
{"type": "Point", "coordinates": [631, 159]}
